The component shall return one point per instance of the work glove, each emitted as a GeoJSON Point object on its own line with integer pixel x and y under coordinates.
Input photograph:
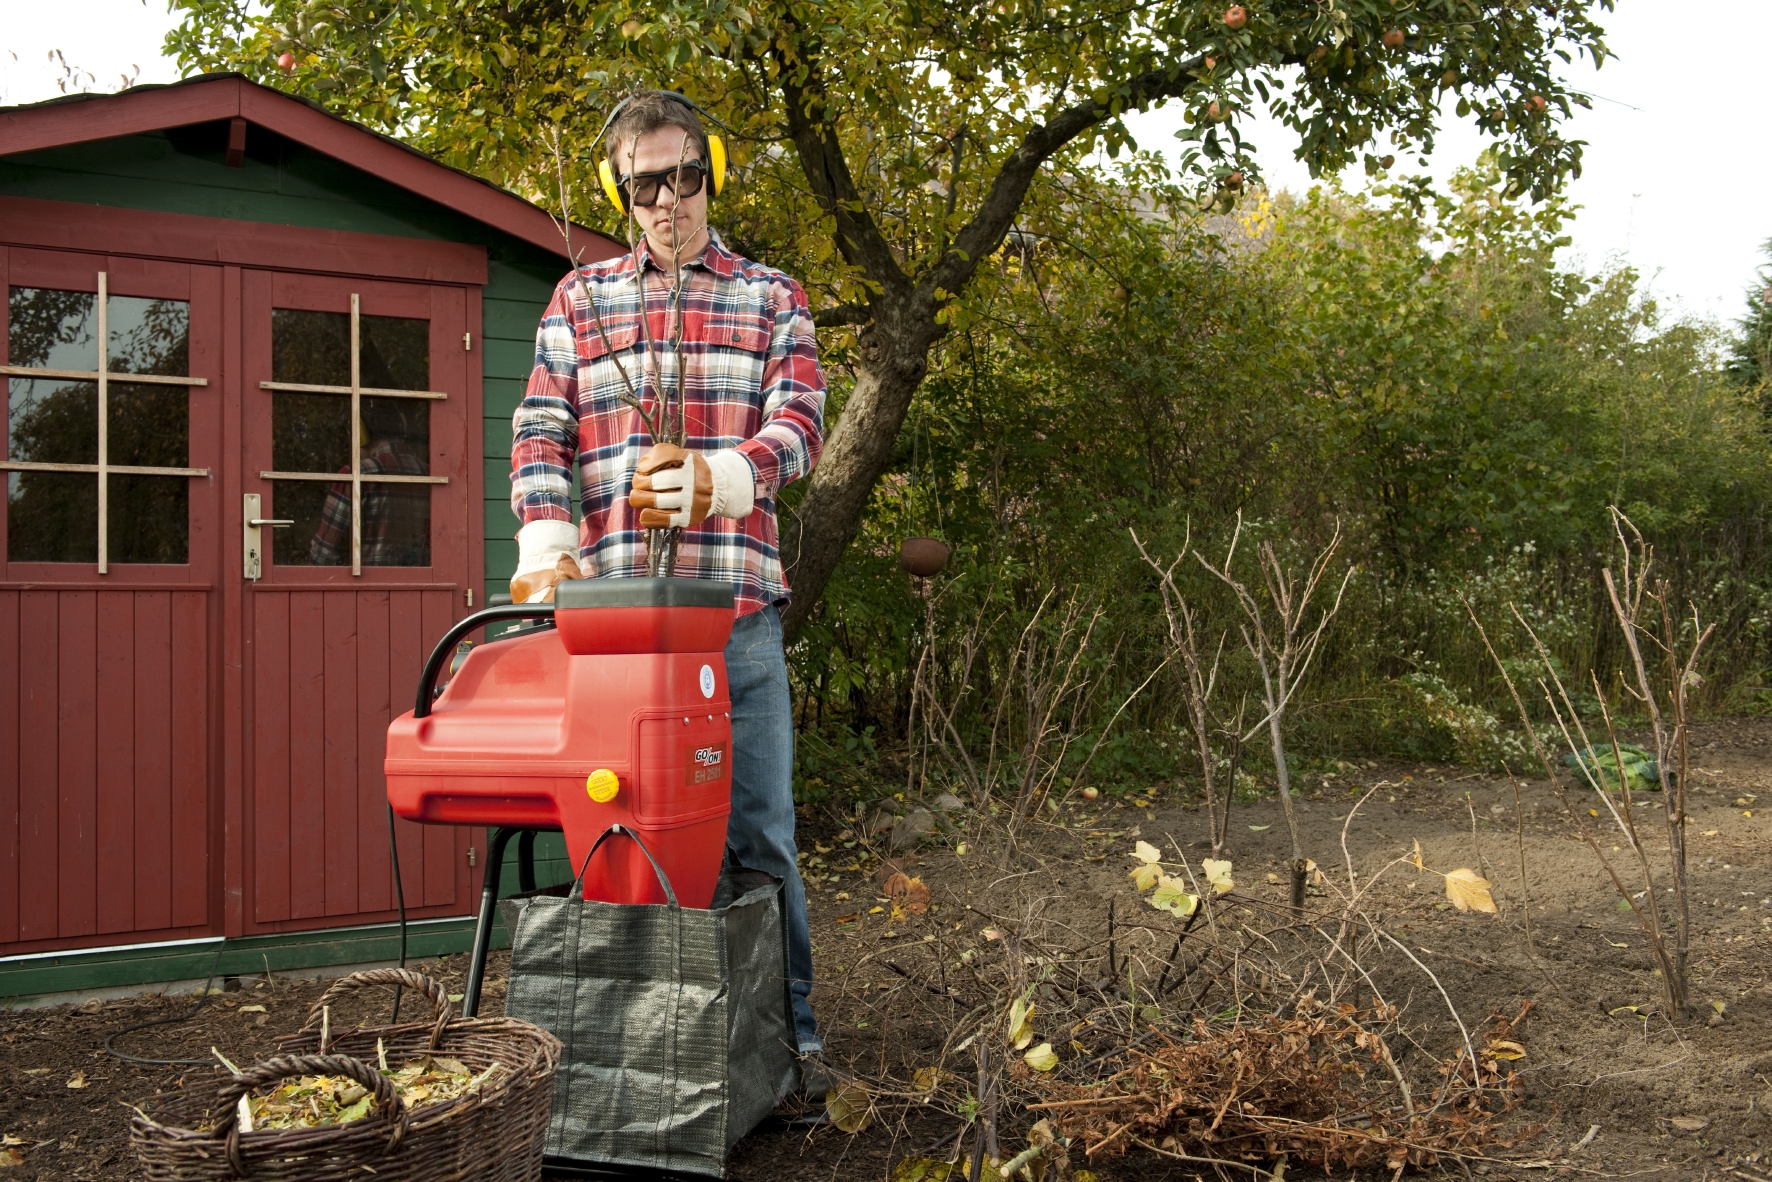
{"type": "Point", "coordinates": [547, 552]}
{"type": "Point", "coordinates": [674, 488]}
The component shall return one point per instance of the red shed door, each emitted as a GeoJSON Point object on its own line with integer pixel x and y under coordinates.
{"type": "Point", "coordinates": [357, 440]}
{"type": "Point", "coordinates": [108, 608]}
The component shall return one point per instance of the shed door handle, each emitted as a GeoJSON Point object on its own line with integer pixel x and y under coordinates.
{"type": "Point", "coordinates": [274, 523]}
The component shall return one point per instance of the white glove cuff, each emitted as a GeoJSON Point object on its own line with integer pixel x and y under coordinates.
{"type": "Point", "coordinates": [735, 483]}
{"type": "Point", "coordinates": [675, 490]}
{"type": "Point", "coordinates": [541, 543]}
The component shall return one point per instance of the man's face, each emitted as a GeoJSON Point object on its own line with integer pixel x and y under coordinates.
{"type": "Point", "coordinates": [660, 149]}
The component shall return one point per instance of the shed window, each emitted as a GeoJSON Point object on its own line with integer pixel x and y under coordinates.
{"type": "Point", "coordinates": [98, 427]}
{"type": "Point", "coordinates": [351, 385]}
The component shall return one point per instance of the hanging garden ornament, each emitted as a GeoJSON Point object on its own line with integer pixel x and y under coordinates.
{"type": "Point", "coordinates": [923, 557]}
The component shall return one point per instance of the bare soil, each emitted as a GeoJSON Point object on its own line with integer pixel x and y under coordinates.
{"type": "Point", "coordinates": [891, 991]}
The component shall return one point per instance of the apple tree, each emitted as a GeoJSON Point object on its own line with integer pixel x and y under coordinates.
{"type": "Point", "coordinates": [886, 148]}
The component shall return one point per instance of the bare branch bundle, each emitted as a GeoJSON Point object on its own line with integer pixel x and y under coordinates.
{"type": "Point", "coordinates": [1283, 647]}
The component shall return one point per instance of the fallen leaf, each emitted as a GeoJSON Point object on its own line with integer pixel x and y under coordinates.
{"type": "Point", "coordinates": [1718, 1006]}
{"type": "Point", "coordinates": [898, 884]}
{"type": "Point", "coordinates": [1042, 1057]}
{"type": "Point", "coordinates": [1469, 891]}
{"type": "Point", "coordinates": [36, 1071]}
{"type": "Point", "coordinates": [1504, 1049]}
{"type": "Point", "coordinates": [1708, 832]}
{"type": "Point", "coordinates": [9, 1139]}
{"type": "Point", "coordinates": [1621, 1010]}
{"type": "Point", "coordinates": [852, 917]}
{"type": "Point", "coordinates": [849, 1106]}
{"type": "Point", "coordinates": [1689, 1124]}
{"type": "Point", "coordinates": [1145, 875]}
{"type": "Point", "coordinates": [1219, 875]}
{"type": "Point", "coordinates": [457, 997]}
{"type": "Point", "coordinates": [1618, 945]}
{"type": "Point", "coordinates": [1260, 828]}
{"type": "Point", "coordinates": [926, 1079]}
{"type": "Point", "coordinates": [79, 1080]}
{"type": "Point", "coordinates": [876, 910]}
{"type": "Point", "coordinates": [1144, 851]}
{"type": "Point", "coordinates": [1415, 859]}
{"type": "Point", "coordinates": [250, 1010]}
{"type": "Point", "coordinates": [961, 849]}
{"type": "Point", "coordinates": [1273, 878]}
{"type": "Point", "coordinates": [11, 1157]}
{"type": "Point", "coordinates": [1020, 1032]}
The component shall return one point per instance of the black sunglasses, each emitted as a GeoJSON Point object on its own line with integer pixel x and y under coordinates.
{"type": "Point", "coordinates": [685, 180]}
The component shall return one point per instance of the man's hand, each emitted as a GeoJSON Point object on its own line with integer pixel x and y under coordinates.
{"type": "Point", "coordinates": [538, 586]}
{"type": "Point", "coordinates": [674, 488]}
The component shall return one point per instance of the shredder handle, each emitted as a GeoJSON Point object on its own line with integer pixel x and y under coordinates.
{"type": "Point", "coordinates": [446, 647]}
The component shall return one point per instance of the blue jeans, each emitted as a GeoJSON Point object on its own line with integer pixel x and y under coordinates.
{"type": "Point", "coordinates": [761, 829]}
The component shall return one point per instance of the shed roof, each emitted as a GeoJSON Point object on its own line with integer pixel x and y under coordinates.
{"type": "Point", "coordinates": [206, 98]}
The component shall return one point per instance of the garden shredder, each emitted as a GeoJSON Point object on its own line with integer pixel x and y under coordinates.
{"type": "Point", "coordinates": [610, 708]}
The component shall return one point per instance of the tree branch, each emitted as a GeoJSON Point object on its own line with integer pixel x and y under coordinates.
{"type": "Point", "coordinates": [827, 171]}
{"type": "Point", "coordinates": [980, 236]}
{"type": "Point", "coordinates": [840, 315]}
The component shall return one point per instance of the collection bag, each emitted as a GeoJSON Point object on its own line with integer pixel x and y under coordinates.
{"type": "Point", "coordinates": [676, 1023]}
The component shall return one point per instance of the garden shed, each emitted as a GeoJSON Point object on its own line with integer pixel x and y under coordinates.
{"type": "Point", "coordinates": [217, 294]}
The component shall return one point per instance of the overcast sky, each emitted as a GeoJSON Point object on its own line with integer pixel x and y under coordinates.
{"type": "Point", "coordinates": [1673, 181]}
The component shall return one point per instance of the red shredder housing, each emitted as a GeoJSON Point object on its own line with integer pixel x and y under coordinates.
{"type": "Point", "coordinates": [631, 680]}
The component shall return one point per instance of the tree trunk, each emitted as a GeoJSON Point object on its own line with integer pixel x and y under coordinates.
{"type": "Point", "coordinates": [894, 359]}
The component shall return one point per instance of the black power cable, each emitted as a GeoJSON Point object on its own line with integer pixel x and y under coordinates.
{"type": "Point", "coordinates": [400, 896]}
{"type": "Point", "coordinates": [177, 1018]}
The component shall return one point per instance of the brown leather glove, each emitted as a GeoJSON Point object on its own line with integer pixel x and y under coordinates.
{"type": "Point", "coordinates": [672, 488]}
{"type": "Point", "coordinates": [524, 587]}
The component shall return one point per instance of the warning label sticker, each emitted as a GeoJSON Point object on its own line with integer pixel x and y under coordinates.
{"type": "Point", "coordinates": [705, 764]}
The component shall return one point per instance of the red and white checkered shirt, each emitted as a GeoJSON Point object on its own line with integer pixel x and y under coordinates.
{"type": "Point", "coordinates": [751, 381]}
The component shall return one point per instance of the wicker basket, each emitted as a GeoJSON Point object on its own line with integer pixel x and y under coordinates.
{"type": "Point", "coordinates": [495, 1134]}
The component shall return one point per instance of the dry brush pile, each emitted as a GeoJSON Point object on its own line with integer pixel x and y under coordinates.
{"type": "Point", "coordinates": [1212, 1026]}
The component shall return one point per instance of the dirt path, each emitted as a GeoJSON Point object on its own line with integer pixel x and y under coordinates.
{"type": "Point", "coordinates": [892, 991]}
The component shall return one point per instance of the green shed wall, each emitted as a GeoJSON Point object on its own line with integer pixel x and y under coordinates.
{"type": "Point", "coordinates": [182, 170]}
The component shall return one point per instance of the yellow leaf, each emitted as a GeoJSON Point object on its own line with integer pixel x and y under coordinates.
{"type": "Point", "coordinates": [1219, 875]}
{"type": "Point", "coordinates": [926, 1079]}
{"type": "Point", "coordinates": [1469, 891]}
{"type": "Point", "coordinates": [1042, 1057]}
{"type": "Point", "coordinates": [1415, 858]}
{"type": "Point", "coordinates": [12, 1157]}
{"type": "Point", "coordinates": [250, 1010]}
{"type": "Point", "coordinates": [849, 1106]}
{"type": "Point", "coordinates": [1170, 896]}
{"type": "Point", "coordinates": [1144, 851]}
{"type": "Point", "coordinates": [1503, 1049]}
{"type": "Point", "coordinates": [961, 849]}
{"type": "Point", "coordinates": [1020, 1032]}
{"type": "Point", "coordinates": [1145, 876]}
{"type": "Point", "coordinates": [79, 1080]}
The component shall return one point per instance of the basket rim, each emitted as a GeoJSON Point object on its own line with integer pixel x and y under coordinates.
{"type": "Point", "coordinates": [517, 1080]}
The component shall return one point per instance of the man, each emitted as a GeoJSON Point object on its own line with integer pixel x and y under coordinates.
{"type": "Point", "coordinates": [753, 406]}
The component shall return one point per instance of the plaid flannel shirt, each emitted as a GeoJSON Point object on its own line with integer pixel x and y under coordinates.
{"type": "Point", "coordinates": [751, 381]}
{"type": "Point", "coordinates": [396, 517]}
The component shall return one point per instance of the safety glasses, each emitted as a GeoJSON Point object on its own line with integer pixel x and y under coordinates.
{"type": "Point", "coordinates": [685, 180]}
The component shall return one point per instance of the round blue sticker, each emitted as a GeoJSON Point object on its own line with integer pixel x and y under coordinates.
{"type": "Point", "coordinates": [707, 681]}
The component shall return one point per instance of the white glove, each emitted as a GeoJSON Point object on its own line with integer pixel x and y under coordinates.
{"type": "Point", "coordinates": [547, 552]}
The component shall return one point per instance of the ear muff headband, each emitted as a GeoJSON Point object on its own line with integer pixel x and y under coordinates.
{"type": "Point", "coordinates": [716, 151]}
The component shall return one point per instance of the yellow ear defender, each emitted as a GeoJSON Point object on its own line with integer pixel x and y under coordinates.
{"type": "Point", "coordinates": [716, 152]}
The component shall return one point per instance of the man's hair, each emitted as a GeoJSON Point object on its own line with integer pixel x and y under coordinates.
{"type": "Point", "coordinates": [647, 111]}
